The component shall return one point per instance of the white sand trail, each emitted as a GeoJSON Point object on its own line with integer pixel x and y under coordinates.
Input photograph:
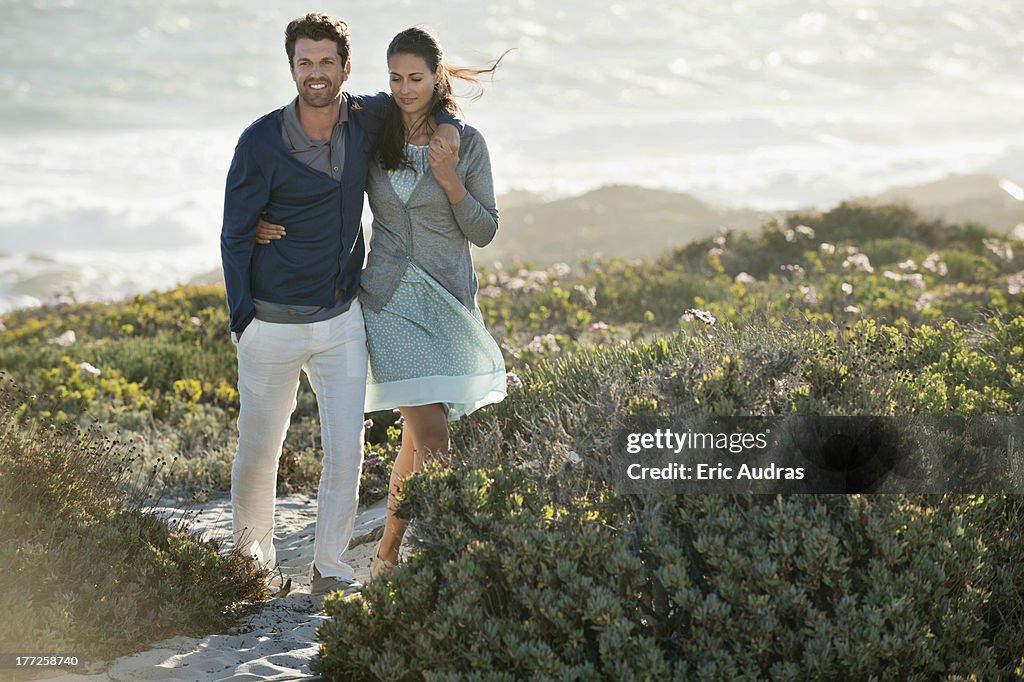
{"type": "Point", "coordinates": [276, 643]}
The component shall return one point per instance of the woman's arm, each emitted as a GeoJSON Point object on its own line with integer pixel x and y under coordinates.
{"type": "Point", "coordinates": [473, 203]}
{"type": "Point", "coordinates": [268, 232]}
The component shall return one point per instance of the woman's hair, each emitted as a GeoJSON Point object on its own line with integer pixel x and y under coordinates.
{"type": "Point", "coordinates": [390, 146]}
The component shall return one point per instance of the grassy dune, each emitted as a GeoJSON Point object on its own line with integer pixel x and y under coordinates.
{"type": "Point", "coordinates": [530, 564]}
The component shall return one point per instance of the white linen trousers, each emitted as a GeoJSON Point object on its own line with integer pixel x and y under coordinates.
{"type": "Point", "coordinates": [333, 355]}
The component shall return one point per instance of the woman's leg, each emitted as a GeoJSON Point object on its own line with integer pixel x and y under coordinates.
{"type": "Point", "coordinates": [394, 527]}
{"type": "Point", "coordinates": [425, 432]}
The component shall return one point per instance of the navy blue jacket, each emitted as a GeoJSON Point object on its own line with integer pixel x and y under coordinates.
{"type": "Point", "coordinates": [324, 250]}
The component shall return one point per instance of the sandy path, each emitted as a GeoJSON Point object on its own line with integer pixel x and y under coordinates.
{"type": "Point", "coordinates": [278, 642]}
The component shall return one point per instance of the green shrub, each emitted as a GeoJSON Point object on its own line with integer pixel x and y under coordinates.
{"type": "Point", "coordinates": [86, 569]}
{"type": "Point", "coordinates": [508, 585]}
{"type": "Point", "coordinates": [808, 321]}
{"type": "Point", "coordinates": [529, 566]}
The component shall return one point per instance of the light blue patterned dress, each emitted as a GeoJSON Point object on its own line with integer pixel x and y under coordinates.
{"type": "Point", "coordinates": [425, 346]}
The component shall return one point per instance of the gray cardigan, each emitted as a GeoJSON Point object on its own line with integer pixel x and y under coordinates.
{"type": "Point", "coordinates": [428, 230]}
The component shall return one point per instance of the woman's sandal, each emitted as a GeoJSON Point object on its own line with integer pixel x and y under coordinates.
{"type": "Point", "coordinates": [379, 566]}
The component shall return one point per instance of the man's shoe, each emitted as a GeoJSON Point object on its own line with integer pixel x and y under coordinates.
{"type": "Point", "coordinates": [277, 584]}
{"type": "Point", "coordinates": [321, 585]}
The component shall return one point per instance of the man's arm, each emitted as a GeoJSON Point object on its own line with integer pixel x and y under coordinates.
{"type": "Point", "coordinates": [449, 127]}
{"type": "Point", "coordinates": [449, 134]}
{"type": "Point", "coordinates": [246, 193]}
{"type": "Point", "coordinates": [449, 130]}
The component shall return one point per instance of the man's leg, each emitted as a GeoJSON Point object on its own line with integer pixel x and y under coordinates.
{"type": "Point", "coordinates": [337, 373]}
{"type": "Point", "coordinates": [270, 357]}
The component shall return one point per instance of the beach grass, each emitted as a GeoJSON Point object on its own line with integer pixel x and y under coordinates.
{"type": "Point", "coordinates": [87, 570]}
{"type": "Point", "coordinates": [529, 563]}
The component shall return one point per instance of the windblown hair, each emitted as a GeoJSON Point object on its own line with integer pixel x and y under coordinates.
{"type": "Point", "coordinates": [390, 146]}
{"type": "Point", "coordinates": [317, 26]}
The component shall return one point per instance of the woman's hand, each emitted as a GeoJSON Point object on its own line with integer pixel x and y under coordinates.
{"type": "Point", "coordinates": [268, 232]}
{"type": "Point", "coordinates": [450, 135]}
{"type": "Point", "coordinates": [443, 160]}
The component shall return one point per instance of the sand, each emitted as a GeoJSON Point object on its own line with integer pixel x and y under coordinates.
{"type": "Point", "coordinates": [279, 641]}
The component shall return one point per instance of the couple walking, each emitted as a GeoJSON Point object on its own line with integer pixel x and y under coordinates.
{"type": "Point", "coordinates": [405, 331]}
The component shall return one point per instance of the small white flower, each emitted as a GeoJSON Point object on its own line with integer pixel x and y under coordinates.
{"type": "Point", "coordinates": [805, 231]}
{"type": "Point", "coordinates": [847, 288]}
{"type": "Point", "coordinates": [544, 343]}
{"type": "Point", "coordinates": [1015, 284]}
{"type": "Point", "coordinates": [537, 276]}
{"type": "Point", "coordinates": [589, 294]}
{"type": "Point", "coordinates": [858, 261]}
{"type": "Point", "coordinates": [810, 295]}
{"type": "Point", "coordinates": [851, 309]}
{"type": "Point", "coordinates": [916, 279]}
{"type": "Point", "coordinates": [889, 274]}
{"type": "Point", "coordinates": [89, 369]}
{"type": "Point", "coordinates": [745, 279]}
{"type": "Point", "coordinates": [696, 314]}
{"type": "Point", "coordinates": [828, 248]}
{"type": "Point", "coordinates": [489, 292]}
{"type": "Point", "coordinates": [65, 339]}
{"type": "Point", "coordinates": [908, 264]}
{"type": "Point", "coordinates": [1000, 248]}
{"type": "Point", "coordinates": [933, 264]}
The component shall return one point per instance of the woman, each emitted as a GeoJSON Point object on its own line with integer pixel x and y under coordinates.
{"type": "Point", "coordinates": [430, 355]}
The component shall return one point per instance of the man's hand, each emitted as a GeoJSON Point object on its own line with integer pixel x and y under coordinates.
{"type": "Point", "coordinates": [268, 232]}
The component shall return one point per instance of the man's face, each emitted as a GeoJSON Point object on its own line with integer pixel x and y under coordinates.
{"type": "Point", "coordinates": [318, 72]}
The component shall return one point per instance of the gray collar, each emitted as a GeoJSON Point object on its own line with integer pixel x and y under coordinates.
{"type": "Point", "coordinates": [292, 128]}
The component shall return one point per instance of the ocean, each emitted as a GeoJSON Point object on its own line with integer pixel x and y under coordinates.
{"type": "Point", "coordinates": [118, 117]}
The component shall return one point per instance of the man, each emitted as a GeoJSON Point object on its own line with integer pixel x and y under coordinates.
{"type": "Point", "coordinates": [293, 303]}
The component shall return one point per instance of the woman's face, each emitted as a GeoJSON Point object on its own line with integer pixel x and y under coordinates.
{"type": "Point", "coordinates": [412, 83]}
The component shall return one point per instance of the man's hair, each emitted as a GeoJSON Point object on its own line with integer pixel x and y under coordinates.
{"type": "Point", "coordinates": [317, 26]}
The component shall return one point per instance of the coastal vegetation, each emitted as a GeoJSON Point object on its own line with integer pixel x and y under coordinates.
{"type": "Point", "coordinates": [87, 569]}
{"type": "Point", "coordinates": [528, 563]}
